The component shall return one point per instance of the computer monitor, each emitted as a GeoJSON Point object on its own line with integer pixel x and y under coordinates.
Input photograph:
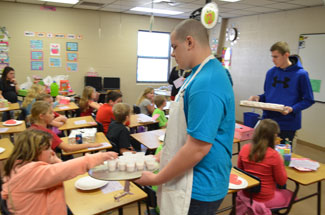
{"type": "Point", "coordinates": [111, 83]}
{"type": "Point", "coordinates": [95, 82]}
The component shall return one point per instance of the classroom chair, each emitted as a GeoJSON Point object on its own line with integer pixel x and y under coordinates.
{"type": "Point", "coordinates": [136, 109]}
{"type": "Point", "coordinates": [100, 127]}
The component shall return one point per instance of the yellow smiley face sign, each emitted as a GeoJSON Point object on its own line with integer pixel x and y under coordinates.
{"type": "Point", "coordinates": [209, 15]}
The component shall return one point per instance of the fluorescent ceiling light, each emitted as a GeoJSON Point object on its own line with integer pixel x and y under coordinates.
{"type": "Point", "coordinates": [153, 10]}
{"type": "Point", "coordinates": [231, 0]}
{"type": "Point", "coordinates": [63, 1]}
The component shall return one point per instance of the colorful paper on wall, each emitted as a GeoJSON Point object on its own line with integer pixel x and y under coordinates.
{"type": "Point", "coordinates": [72, 57]}
{"type": "Point", "coordinates": [4, 57]}
{"type": "Point", "coordinates": [4, 46]}
{"type": "Point", "coordinates": [55, 62]}
{"type": "Point", "coordinates": [315, 85]}
{"type": "Point", "coordinates": [37, 65]}
{"type": "Point", "coordinates": [36, 44]}
{"type": "Point", "coordinates": [72, 46]}
{"type": "Point", "coordinates": [3, 65]}
{"type": "Point", "coordinates": [36, 55]}
{"type": "Point", "coordinates": [29, 34]}
{"type": "Point", "coordinates": [55, 49]}
{"type": "Point", "coordinates": [72, 67]}
{"type": "Point", "coordinates": [71, 36]}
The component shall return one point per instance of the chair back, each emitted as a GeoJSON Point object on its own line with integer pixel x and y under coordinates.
{"type": "Point", "coordinates": [23, 114]}
{"type": "Point", "coordinates": [136, 109]}
{"type": "Point", "coordinates": [100, 127]}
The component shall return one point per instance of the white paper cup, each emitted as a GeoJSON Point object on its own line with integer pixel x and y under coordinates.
{"type": "Point", "coordinates": [127, 154]}
{"type": "Point", "coordinates": [112, 165]}
{"type": "Point", "coordinates": [121, 165]}
{"type": "Point", "coordinates": [140, 165]}
{"type": "Point", "coordinates": [130, 166]}
{"type": "Point", "coordinates": [150, 164]}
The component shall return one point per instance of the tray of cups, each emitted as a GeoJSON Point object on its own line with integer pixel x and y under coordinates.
{"type": "Point", "coordinates": [262, 105]}
{"type": "Point", "coordinates": [129, 166]}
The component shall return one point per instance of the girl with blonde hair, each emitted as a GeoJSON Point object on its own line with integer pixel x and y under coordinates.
{"type": "Point", "coordinates": [145, 102]}
{"type": "Point", "coordinates": [30, 99]}
{"type": "Point", "coordinates": [34, 175]}
{"type": "Point", "coordinates": [41, 117]}
{"type": "Point", "coordinates": [87, 102]}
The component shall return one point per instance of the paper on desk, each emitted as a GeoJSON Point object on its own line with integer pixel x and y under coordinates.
{"type": "Point", "coordinates": [3, 130]}
{"type": "Point", "coordinates": [63, 107]}
{"type": "Point", "coordinates": [304, 163]}
{"type": "Point", "coordinates": [144, 118]}
{"type": "Point", "coordinates": [80, 122]}
{"type": "Point", "coordinates": [1, 109]}
{"type": "Point", "coordinates": [105, 144]}
{"type": "Point", "coordinates": [111, 187]}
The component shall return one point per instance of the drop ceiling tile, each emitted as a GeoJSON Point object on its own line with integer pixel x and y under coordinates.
{"type": "Point", "coordinates": [86, 7]}
{"type": "Point", "coordinates": [284, 6]}
{"type": "Point", "coordinates": [236, 6]}
{"type": "Point", "coordinates": [262, 9]}
{"type": "Point", "coordinates": [31, 1]}
{"type": "Point", "coordinates": [286, 1]}
{"type": "Point", "coordinates": [228, 15]}
{"type": "Point", "coordinates": [98, 1]}
{"type": "Point", "coordinates": [119, 7]}
{"type": "Point", "coordinates": [243, 12]}
{"type": "Point", "coordinates": [257, 2]}
{"type": "Point", "coordinates": [309, 2]}
{"type": "Point", "coordinates": [188, 6]}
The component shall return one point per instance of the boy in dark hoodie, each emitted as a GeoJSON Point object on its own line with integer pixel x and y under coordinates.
{"type": "Point", "coordinates": [286, 83]}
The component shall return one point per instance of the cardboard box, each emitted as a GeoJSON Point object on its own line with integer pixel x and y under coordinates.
{"type": "Point", "coordinates": [243, 132]}
{"type": "Point", "coordinates": [88, 135]}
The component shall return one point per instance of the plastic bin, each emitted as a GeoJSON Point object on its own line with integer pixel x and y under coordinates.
{"type": "Point", "coordinates": [250, 119]}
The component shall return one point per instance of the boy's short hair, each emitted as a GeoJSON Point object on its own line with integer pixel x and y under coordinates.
{"type": "Point", "coordinates": [281, 46]}
{"type": "Point", "coordinates": [42, 97]}
{"type": "Point", "coordinates": [121, 111]}
{"type": "Point", "coordinates": [159, 100]}
{"type": "Point", "coordinates": [113, 95]}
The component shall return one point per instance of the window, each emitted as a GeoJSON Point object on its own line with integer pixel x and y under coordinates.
{"type": "Point", "coordinates": [153, 56]}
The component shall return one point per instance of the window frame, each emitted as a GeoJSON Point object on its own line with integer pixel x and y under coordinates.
{"type": "Point", "coordinates": [154, 57]}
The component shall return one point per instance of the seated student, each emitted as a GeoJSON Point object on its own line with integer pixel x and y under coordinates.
{"type": "Point", "coordinates": [145, 102]}
{"type": "Point", "coordinates": [117, 131]}
{"type": "Point", "coordinates": [160, 102]}
{"type": "Point", "coordinates": [261, 160]}
{"type": "Point", "coordinates": [105, 112]}
{"type": "Point", "coordinates": [59, 119]}
{"type": "Point", "coordinates": [33, 92]}
{"type": "Point", "coordinates": [88, 102]}
{"type": "Point", "coordinates": [34, 175]}
{"type": "Point", "coordinates": [8, 85]}
{"type": "Point", "coordinates": [41, 117]}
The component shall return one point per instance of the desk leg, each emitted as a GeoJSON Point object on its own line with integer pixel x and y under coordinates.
{"type": "Point", "coordinates": [139, 208]}
{"type": "Point", "coordinates": [120, 211]}
{"type": "Point", "coordinates": [233, 210]}
{"type": "Point", "coordinates": [319, 192]}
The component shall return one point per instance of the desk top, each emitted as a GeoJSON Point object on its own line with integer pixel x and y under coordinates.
{"type": "Point", "coordinates": [149, 138]}
{"type": "Point", "coordinates": [100, 138]}
{"type": "Point", "coordinates": [251, 181]}
{"type": "Point", "coordinates": [13, 129]}
{"type": "Point", "coordinates": [8, 146]}
{"type": "Point", "coordinates": [135, 123]}
{"type": "Point", "coordinates": [67, 107]}
{"type": "Point", "coordinates": [162, 92]}
{"type": "Point", "coordinates": [70, 123]}
{"type": "Point", "coordinates": [305, 178]}
{"type": "Point", "coordinates": [11, 106]}
{"type": "Point", "coordinates": [95, 201]}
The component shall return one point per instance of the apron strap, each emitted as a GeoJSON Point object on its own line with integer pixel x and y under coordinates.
{"type": "Point", "coordinates": [185, 85]}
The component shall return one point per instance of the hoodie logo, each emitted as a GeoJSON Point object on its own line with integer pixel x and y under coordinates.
{"type": "Point", "coordinates": [285, 82]}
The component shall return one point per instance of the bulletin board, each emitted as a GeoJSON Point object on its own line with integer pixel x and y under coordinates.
{"type": "Point", "coordinates": [312, 52]}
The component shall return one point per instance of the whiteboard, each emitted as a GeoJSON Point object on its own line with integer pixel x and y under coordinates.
{"type": "Point", "coordinates": [312, 52]}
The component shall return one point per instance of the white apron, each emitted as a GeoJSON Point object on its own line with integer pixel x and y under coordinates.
{"type": "Point", "coordinates": [174, 197]}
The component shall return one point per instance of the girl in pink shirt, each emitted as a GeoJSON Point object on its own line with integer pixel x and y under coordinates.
{"type": "Point", "coordinates": [34, 175]}
{"type": "Point", "coordinates": [261, 160]}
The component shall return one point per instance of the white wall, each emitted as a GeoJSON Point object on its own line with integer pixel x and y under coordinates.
{"type": "Point", "coordinates": [113, 54]}
{"type": "Point", "coordinates": [251, 59]}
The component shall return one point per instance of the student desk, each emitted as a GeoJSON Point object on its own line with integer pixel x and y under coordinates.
{"type": "Point", "coordinates": [149, 138]}
{"type": "Point", "coordinates": [251, 183]}
{"type": "Point", "coordinates": [100, 138]}
{"type": "Point", "coordinates": [134, 122]}
{"type": "Point", "coordinates": [13, 129]}
{"type": "Point", "coordinates": [11, 106]}
{"type": "Point", "coordinates": [278, 141]}
{"type": "Point", "coordinates": [67, 107]}
{"type": "Point", "coordinates": [307, 178]}
{"type": "Point", "coordinates": [95, 201]}
{"type": "Point", "coordinates": [70, 123]}
{"type": "Point", "coordinates": [162, 92]}
{"type": "Point", "coordinates": [8, 146]}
